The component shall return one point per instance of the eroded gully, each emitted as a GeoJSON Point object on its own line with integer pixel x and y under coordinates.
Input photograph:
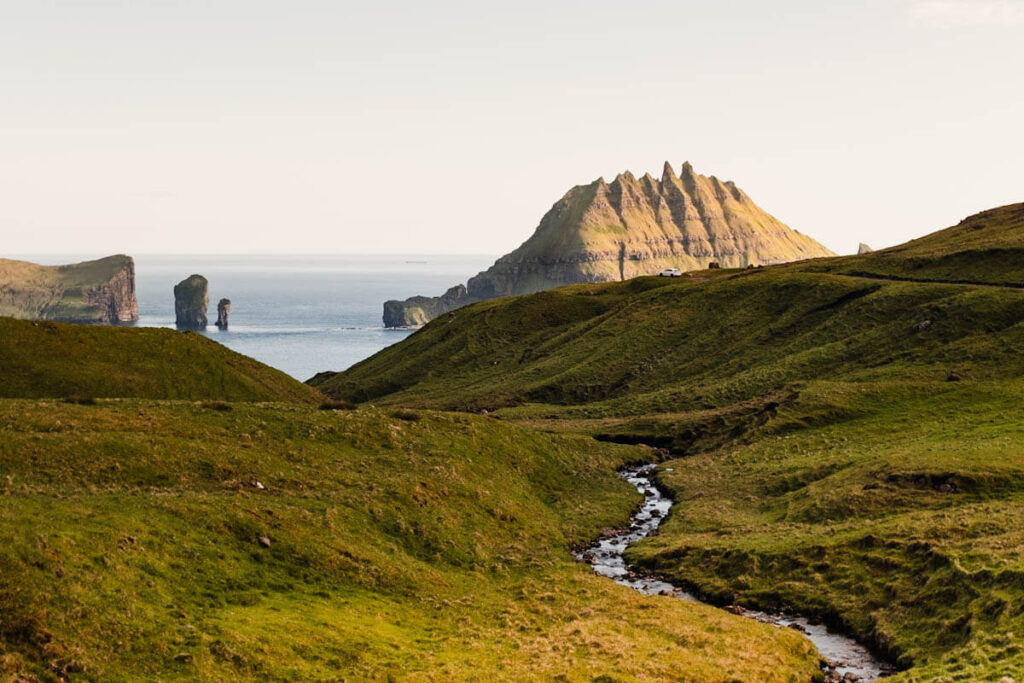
{"type": "Point", "coordinates": [847, 659]}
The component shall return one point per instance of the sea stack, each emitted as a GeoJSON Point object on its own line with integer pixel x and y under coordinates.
{"type": "Point", "coordinates": [223, 310]}
{"type": "Point", "coordinates": [191, 299]}
{"type": "Point", "coordinates": [632, 226]}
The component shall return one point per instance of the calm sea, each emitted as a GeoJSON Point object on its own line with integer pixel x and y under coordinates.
{"type": "Point", "coordinates": [300, 314]}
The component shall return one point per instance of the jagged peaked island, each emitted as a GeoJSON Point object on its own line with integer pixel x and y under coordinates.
{"type": "Point", "coordinates": [632, 226]}
{"type": "Point", "coordinates": [100, 291]}
{"type": "Point", "coordinates": [191, 299]}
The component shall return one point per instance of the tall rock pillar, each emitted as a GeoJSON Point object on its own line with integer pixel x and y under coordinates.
{"type": "Point", "coordinates": [191, 299]}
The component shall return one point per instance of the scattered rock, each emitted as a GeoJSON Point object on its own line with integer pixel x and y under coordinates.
{"type": "Point", "coordinates": [223, 310]}
{"type": "Point", "coordinates": [922, 326]}
{"type": "Point", "coordinates": [264, 541]}
{"type": "Point", "coordinates": [953, 377]}
{"type": "Point", "coordinates": [183, 657]}
{"type": "Point", "coordinates": [863, 249]}
{"type": "Point", "coordinates": [256, 484]}
{"type": "Point", "coordinates": [797, 627]}
{"type": "Point", "coordinates": [713, 265]}
{"type": "Point", "coordinates": [191, 299]}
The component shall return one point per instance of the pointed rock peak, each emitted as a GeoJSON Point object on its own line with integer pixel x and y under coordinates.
{"type": "Point", "coordinates": [667, 173]}
{"type": "Point", "coordinates": [687, 170]}
{"type": "Point", "coordinates": [864, 249]}
{"type": "Point", "coordinates": [736, 192]}
{"type": "Point", "coordinates": [626, 176]}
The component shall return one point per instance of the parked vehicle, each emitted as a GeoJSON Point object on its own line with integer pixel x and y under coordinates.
{"type": "Point", "coordinates": [670, 272]}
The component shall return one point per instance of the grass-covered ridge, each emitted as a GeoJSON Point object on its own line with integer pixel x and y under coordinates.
{"type": "Point", "coordinates": [852, 427]}
{"type": "Point", "coordinates": [715, 338]}
{"type": "Point", "coordinates": [986, 248]}
{"type": "Point", "coordinates": [61, 360]}
{"type": "Point", "coordinates": [180, 541]}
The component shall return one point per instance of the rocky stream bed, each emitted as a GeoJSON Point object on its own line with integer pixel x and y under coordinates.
{"type": "Point", "coordinates": [847, 660]}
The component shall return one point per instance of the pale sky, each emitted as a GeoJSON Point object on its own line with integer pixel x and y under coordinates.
{"type": "Point", "coordinates": [245, 126]}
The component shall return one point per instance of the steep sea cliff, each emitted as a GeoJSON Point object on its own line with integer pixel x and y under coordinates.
{"type": "Point", "coordinates": [100, 291]}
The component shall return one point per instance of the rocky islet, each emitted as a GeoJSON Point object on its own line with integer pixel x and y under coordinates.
{"type": "Point", "coordinates": [191, 299]}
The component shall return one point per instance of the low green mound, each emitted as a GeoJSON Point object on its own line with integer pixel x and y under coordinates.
{"type": "Point", "coordinates": [176, 541]}
{"type": "Point", "coordinates": [57, 360]}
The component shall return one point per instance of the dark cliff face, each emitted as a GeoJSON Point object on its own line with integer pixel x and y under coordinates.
{"type": "Point", "coordinates": [603, 232]}
{"type": "Point", "coordinates": [191, 299]}
{"type": "Point", "coordinates": [116, 298]}
{"type": "Point", "coordinates": [419, 310]}
{"type": "Point", "coordinates": [101, 291]}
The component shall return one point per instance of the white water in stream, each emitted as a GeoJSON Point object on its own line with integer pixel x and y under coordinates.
{"type": "Point", "coordinates": [846, 656]}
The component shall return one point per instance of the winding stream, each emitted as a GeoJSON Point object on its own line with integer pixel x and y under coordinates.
{"type": "Point", "coordinates": [848, 660]}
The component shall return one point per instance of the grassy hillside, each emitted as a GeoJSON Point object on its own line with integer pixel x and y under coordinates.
{"type": "Point", "coordinates": [57, 360]}
{"type": "Point", "coordinates": [169, 541]}
{"type": "Point", "coordinates": [852, 427]}
{"type": "Point", "coordinates": [987, 247]}
{"type": "Point", "coordinates": [716, 338]}
{"type": "Point", "coordinates": [897, 517]}
{"type": "Point", "coordinates": [663, 346]}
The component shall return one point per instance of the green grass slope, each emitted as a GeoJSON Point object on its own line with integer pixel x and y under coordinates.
{"type": "Point", "coordinates": [167, 541]}
{"type": "Point", "coordinates": [852, 427]}
{"type": "Point", "coordinates": [986, 248]}
{"type": "Point", "coordinates": [898, 518]}
{"type": "Point", "coordinates": [654, 346]}
{"type": "Point", "coordinates": [58, 360]}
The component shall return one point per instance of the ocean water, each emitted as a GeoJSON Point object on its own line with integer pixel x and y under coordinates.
{"type": "Point", "coordinates": [300, 314]}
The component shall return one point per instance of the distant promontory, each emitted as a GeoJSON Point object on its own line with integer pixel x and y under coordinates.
{"type": "Point", "coordinates": [101, 291]}
{"type": "Point", "coordinates": [603, 232]}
